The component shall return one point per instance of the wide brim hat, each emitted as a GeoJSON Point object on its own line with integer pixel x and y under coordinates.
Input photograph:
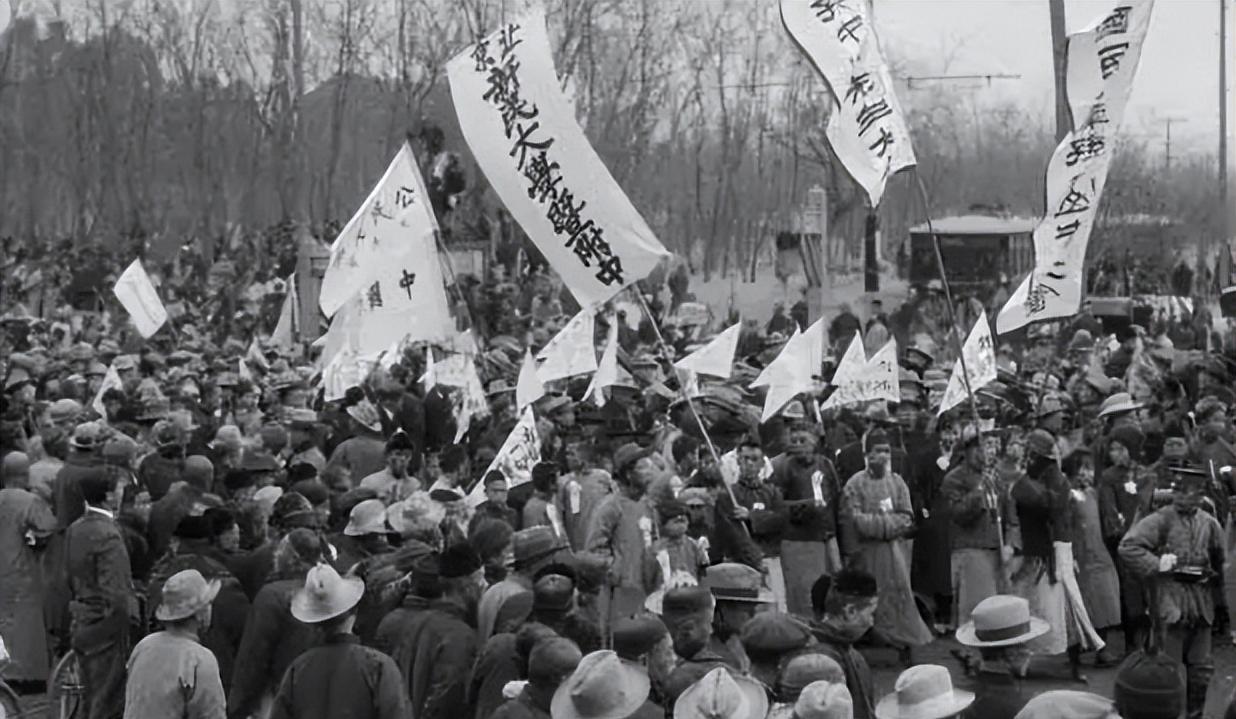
{"type": "Point", "coordinates": [924, 692]}
{"type": "Point", "coordinates": [185, 594]}
{"type": "Point", "coordinates": [601, 687]}
{"type": "Point", "coordinates": [1119, 402]}
{"type": "Point", "coordinates": [366, 517]}
{"type": "Point", "coordinates": [326, 595]}
{"type": "Point", "coordinates": [1001, 621]}
{"type": "Point", "coordinates": [743, 696]}
{"type": "Point", "coordinates": [733, 582]}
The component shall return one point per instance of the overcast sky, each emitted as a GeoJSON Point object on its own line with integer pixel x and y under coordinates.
{"type": "Point", "coordinates": [1178, 78]}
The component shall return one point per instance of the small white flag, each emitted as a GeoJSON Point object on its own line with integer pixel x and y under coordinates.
{"type": "Point", "coordinates": [980, 355]}
{"type": "Point", "coordinates": [766, 375]}
{"type": "Point", "coordinates": [472, 403]}
{"type": "Point", "coordinates": [111, 380]}
{"type": "Point", "coordinates": [138, 295]}
{"type": "Point", "coordinates": [607, 370]}
{"type": "Point", "coordinates": [285, 330]}
{"type": "Point", "coordinates": [882, 378]}
{"type": "Point", "coordinates": [794, 370]}
{"type": "Point", "coordinates": [715, 358]}
{"type": "Point", "coordinates": [529, 388]}
{"type": "Point", "coordinates": [243, 370]}
{"type": "Point", "coordinates": [430, 378]}
{"type": "Point", "coordinates": [520, 451]}
{"type": "Point", "coordinates": [571, 352]}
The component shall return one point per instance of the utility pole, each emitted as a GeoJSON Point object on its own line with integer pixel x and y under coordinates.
{"type": "Point", "coordinates": [1059, 53]}
{"type": "Point", "coordinates": [1167, 160]}
{"type": "Point", "coordinates": [1225, 205]}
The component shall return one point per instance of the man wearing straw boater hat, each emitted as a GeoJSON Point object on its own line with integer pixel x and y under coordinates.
{"type": "Point", "coordinates": [339, 678]}
{"type": "Point", "coordinates": [999, 627]}
{"type": "Point", "coordinates": [170, 673]}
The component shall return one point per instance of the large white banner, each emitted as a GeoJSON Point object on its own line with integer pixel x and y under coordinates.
{"type": "Point", "coordinates": [397, 211]}
{"type": "Point", "coordinates": [1102, 63]}
{"type": "Point", "coordinates": [523, 134]}
{"type": "Point", "coordinates": [405, 301]}
{"type": "Point", "coordinates": [980, 354]}
{"type": "Point", "coordinates": [139, 297]}
{"type": "Point", "coordinates": [866, 127]}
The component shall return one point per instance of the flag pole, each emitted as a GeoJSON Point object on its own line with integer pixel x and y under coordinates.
{"type": "Point", "coordinates": [948, 296]}
{"type": "Point", "coordinates": [682, 390]}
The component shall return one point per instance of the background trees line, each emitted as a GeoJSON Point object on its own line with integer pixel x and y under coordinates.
{"type": "Point", "coordinates": [170, 122]}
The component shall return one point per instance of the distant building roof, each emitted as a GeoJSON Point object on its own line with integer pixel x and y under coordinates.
{"type": "Point", "coordinates": [977, 225]}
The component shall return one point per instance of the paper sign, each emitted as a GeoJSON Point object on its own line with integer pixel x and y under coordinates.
{"type": "Point", "coordinates": [715, 358]}
{"type": "Point", "coordinates": [520, 451]}
{"type": "Point", "coordinates": [139, 297]}
{"type": "Point", "coordinates": [571, 352]}
{"type": "Point", "coordinates": [980, 354]}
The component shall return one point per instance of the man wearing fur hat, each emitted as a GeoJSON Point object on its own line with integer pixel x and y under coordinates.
{"type": "Point", "coordinates": [1181, 550]}
{"type": "Point", "coordinates": [339, 678]}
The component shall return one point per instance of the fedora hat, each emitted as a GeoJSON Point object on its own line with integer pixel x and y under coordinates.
{"type": "Point", "coordinates": [325, 595]}
{"type": "Point", "coordinates": [824, 699]}
{"type": "Point", "coordinates": [1002, 620]}
{"type": "Point", "coordinates": [601, 687]}
{"type": "Point", "coordinates": [533, 543]}
{"type": "Point", "coordinates": [1118, 403]}
{"type": "Point", "coordinates": [367, 517]}
{"type": "Point", "coordinates": [184, 594]}
{"type": "Point", "coordinates": [924, 692]}
{"type": "Point", "coordinates": [722, 695]}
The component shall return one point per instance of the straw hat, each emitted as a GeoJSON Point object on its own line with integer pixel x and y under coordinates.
{"type": "Point", "coordinates": [601, 687]}
{"type": "Point", "coordinates": [733, 582]}
{"type": "Point", "coordinates": [1001, 621]}
{"type": "Point", "coordinates": [721, 695]}
{"type": "Point", "coordinates": [367, 517]}
{"type": "Point", "coordinates": [1118, 403]}
{"type": "Point", "coordinates": [824, 700]}
{"type": "Point", "coordinates": [924, 692]}
{"type": "Point", "coordinates": [326, 595]}
{"type": "Point", "coordinates": [185, 594]}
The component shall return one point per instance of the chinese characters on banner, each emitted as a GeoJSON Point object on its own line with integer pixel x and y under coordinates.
{"type": "Point", "coordinates": [397, 210]}
{"type": "Point", "coordinates": [1103, 60]}
{"type": "Point", "coordinates": [866, 127]}
{"type": "Point", "coordinates": [520, 451]}
{"type": "Point", "coordinates": [139, 297]}
{"type": "Point", "coordinates": [522, 131]}
{"type": "Point", "coordinates": [879, 379]}
{"type": "Point", "coordinates": [980, 354]}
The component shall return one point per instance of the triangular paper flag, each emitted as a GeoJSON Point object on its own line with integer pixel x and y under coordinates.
{"type": "Point", "coordinates": [607, 370]}
{"type": "Point", "coordinates": [529, 388]}
{"type": "Point", "coordinates": [396, 213]}
{"type": "Point", "coordinates": [471, 398]}
{"type": "Point", "coordinates": [980, 353]}
{"type": "Point", "coordinates": [138, 295]}
{"type": "Point", "coordinates": [285, 330]}
{"type": "Point", "coordinates": [111, 380]}
{"type": "Point", "coordinates": [882, 379]}
{"type": "Point", "coordinates": [795, 369]}
{"type": "Point", "coordinates": [243, 370]}
{"type": "Point", "coordinates": [520, 451]}
{"type": "Point", "coordinates": [715, 358]}
{"type": "Point", "coordinates": [571, 352]}
{"type": "Point", "coordinates": [766, 375]}
{"type": "Point", "coordinates": [853, 361]}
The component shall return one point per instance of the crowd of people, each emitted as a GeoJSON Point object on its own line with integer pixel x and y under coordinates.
{"type": "Point", "coordinates": [212, 539]}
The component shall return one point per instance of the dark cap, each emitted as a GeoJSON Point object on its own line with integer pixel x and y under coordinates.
{"type": "Point", "coordinates": [312, 490]}
{"type": "Point", "coordinates": [670, 509]}
{"type": "Point", "coordinates": [553, 594]}
{"type": "Point", "coordinates": [769, 635]}
{"type": "Point", "coordinates": [855, 583]}
{"type": "Point", "coordinates": [400, 442]}
{"type": "Point", "coordinates": [237, 479]}
{"type": "Point", "coordinates": [552, 660]}
{"type": "Point", "coordinates": [684, 601]}
{"type": "Point", "coordinates": [193, 527]}
{"type": "Point", "coordinates": [458, 560]}
{"type": "Point", "coordinates": [1149, 686]}
{"type": "Point", "coordinates": [637, 634]}
{"type": "Point", "coordinates": [627, 455]}
{"type": "Point", "coordinates": [220, 519]}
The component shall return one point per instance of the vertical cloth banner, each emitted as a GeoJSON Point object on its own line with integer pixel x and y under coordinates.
{"type": "Point", "coordinates": [397, 209]}
{"type": "Point", "coordinates": [866, 127]}
{"type": "Point", "coordinates": [980, 353]}
{"type": "Point", "coordinates": [140, 299]}
{"type": "Point", "coordinates": [715, 358]}
{"type": "Point", "coordinates": [520, 451]}
{"type": "Point", "coordinates": [522, 131]}
{"type": "Point", "coordinates": [1102, 63]}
